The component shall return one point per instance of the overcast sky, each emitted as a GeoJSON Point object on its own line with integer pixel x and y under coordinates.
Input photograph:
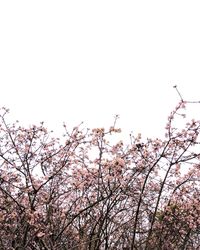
{"type": "Point", "coordinates": [86, 61]}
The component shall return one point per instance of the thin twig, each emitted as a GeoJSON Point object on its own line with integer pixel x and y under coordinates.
{"type": "Point", "coordinates": [175, 86]}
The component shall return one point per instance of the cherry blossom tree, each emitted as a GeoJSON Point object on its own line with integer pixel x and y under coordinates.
{"type": "Point", "coordinates": [87, 192]}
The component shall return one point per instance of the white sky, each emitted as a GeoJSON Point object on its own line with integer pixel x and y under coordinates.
{"type": "Point", "coordinates": [86, 61]}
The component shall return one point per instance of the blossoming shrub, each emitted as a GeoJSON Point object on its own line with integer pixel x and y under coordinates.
{"type": "Point", "coordinates": [91, 193]}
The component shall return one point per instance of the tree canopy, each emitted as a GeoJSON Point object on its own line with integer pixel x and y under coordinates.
{"type": "Point", "coordinates": [91, 193]}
